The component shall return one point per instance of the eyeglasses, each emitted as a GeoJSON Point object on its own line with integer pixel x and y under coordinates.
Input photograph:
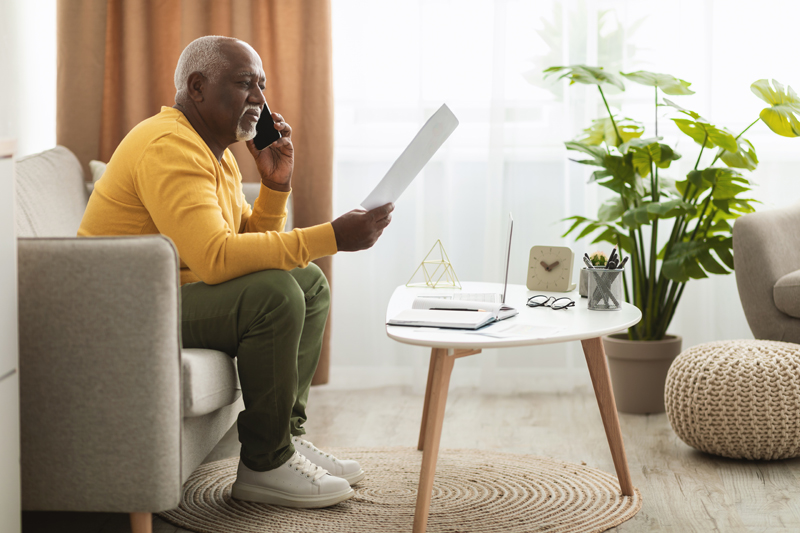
{"type": "Point", "coordinates": [540, 300]}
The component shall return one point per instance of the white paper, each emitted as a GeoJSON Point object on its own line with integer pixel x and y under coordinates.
{"type": "Point", "coordinates": [416, 155]}
{"type": "Point", "coordinates": [503, 331]}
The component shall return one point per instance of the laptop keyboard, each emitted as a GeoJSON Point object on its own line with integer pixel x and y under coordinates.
{"type": "Point", "coordinates": [491, 297]}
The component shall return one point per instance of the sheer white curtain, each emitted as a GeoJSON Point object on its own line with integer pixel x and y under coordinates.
{"type": "Point", "coordinates": [395, 62]}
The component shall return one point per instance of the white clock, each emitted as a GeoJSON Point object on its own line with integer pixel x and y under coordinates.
{"type": "Point", "coordinates": [550, 269]}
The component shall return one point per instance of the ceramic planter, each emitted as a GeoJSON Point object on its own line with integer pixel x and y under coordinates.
{"type": "Point", "coordinates": [639, 370]}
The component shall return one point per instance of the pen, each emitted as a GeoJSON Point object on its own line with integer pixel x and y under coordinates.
{"type": "Point", "coordinates": [588, 262]}
{"type": "Point", "coordinates": [447, 309]}
{"type": "Point", "coordinates": [622, 265]}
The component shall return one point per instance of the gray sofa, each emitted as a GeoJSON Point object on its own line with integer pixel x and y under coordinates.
{"type": "Point", "coordinates": [767, 259]}
{"type": "Point", "coordinates": [115, 415]}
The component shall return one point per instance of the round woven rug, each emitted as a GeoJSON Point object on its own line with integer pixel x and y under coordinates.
{"type": "Point", "coordinates": [474, 491]}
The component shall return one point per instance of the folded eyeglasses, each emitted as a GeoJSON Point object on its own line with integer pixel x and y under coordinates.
{"type": "Point", "coordinates": [540, 300]}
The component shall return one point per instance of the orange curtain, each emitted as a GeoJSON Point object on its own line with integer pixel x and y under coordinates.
{"type": "Point", "coordinates": [116, 61]}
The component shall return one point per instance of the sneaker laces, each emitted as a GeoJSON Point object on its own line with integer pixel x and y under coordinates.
{"type": "Point", "coordinates": [310, 446]}
{"type": "Point", "coordinates": [306, 467]}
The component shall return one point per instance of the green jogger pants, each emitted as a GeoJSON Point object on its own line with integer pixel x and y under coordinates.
{"type": "Point", "coordinates": [272, 321]}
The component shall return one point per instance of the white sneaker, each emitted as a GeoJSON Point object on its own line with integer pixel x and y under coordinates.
{"type": "Point", "coordinates": [296, 483]}
{"type": "Point", "coordinates": [346, 469]}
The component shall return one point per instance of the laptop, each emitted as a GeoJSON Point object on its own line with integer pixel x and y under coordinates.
{"type": "Point", "coordinates": [491, 297]}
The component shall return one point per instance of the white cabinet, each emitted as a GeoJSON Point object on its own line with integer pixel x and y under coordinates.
{"type": "Point", "coordinates": [9, 349]}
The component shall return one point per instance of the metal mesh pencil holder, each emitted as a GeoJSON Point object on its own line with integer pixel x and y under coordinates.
{"type": "Point", "coordinates": [605, 290]}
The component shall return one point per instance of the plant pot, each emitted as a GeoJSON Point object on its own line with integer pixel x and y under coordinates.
{"type": "Point", "coordinates": [639, 370]}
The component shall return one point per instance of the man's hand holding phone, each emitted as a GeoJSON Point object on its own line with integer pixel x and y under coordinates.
{"type": "Point", "coordinates": [275, 162]}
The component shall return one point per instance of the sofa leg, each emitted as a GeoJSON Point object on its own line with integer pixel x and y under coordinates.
{"type": "Point", "coordinates": [141, 523]}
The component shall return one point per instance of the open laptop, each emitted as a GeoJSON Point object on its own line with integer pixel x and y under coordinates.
{"type": "Point", "coordinates": [491, 297]}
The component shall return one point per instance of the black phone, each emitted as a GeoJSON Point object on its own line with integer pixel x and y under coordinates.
{"type": "Point", "coordinates": [266, 133]}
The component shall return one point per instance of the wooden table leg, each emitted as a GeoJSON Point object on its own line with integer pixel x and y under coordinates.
{"type": "Point", "coordinates": [141, 522]}
{"type": "Point", "coordinates": [427, 402]}
{"type": "Point", "coordinates": [601, 381]}
{"type": "Point", "coordinates": [438, 383]}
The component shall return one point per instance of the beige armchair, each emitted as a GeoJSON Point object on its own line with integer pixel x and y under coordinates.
{"type": "Point", "coordinates": [115, 415]}
{"type": "Point", "coordinates": [766, 248]}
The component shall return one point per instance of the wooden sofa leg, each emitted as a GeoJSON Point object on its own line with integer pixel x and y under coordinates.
{"type": "Point", "coordinates": [142, 522]}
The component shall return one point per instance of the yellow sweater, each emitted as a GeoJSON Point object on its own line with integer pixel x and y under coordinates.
{"type": "Point", "coordinates": [164, 179]}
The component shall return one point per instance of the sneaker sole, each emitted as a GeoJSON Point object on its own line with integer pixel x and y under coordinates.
{"type": "Point", "coordinates": [253, 493]}
{"type": "Point", "coordinates": [355, 477]}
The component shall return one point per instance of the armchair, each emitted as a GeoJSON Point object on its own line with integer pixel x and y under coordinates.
{"type": "Point", "coordinates": [115, 414]}
{"type": "Point", "coordinates": [766, 248]}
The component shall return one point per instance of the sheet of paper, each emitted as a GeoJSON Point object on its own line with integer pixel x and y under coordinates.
{"type": "Point", "coordinates": [416, 155]}
{"type": "Point", "coordinates": [503, 331]}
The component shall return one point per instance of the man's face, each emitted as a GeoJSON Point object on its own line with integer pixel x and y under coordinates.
{"type": "Point", "coordinates": [233, 103]}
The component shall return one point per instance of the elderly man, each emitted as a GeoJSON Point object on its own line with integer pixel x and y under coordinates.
{"type": "Point", "coordinates": [247, 287]}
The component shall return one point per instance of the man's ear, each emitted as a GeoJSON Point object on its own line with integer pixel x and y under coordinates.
{"type": "Point", "coordinates": [195, 86]}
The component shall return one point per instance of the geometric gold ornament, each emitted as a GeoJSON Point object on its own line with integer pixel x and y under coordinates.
{"type": "Point", "coordinates": [437, 269]}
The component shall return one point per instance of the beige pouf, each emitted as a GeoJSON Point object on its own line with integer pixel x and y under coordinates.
{"type": "Point", "coordinates": [738, 399]}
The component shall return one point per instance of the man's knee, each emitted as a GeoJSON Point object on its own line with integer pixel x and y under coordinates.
{"type": "Point", "coordinates": [275, 291]}
{"type": "Point", "coordinates": [314, 283]}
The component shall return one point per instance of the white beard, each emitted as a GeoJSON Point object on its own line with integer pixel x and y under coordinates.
{"type": "Point", "coordinates": [243, 134]}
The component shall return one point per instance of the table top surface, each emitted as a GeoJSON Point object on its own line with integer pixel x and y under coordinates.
{"type": "Point", "coordinates": [541, 325]}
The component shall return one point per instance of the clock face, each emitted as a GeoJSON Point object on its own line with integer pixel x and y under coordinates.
{"type": "Point", "coordinates": [550, 268]}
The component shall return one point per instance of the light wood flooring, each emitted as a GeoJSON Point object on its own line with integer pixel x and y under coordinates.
{"type": "Point", "coordinates": [683, 490]}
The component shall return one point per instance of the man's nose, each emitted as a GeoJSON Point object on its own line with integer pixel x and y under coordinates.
{"type": "Point", "coordinates": [257, 97]}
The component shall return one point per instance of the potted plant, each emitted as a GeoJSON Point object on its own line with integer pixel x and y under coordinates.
{"type": "Point", "coordinates": [697, 213]}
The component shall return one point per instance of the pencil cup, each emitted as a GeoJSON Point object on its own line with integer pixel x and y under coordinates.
{"type": "Point", "coordinates": [605, 290]}
{"type": "Point", "coordinates": [583, 286]}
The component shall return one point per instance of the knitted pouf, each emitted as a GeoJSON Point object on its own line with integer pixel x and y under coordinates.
{"type": "Point", "coordinates": [738, 399]}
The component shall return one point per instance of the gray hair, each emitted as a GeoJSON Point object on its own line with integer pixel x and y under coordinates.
{"type": "Point", "coordinates": [203, 55]}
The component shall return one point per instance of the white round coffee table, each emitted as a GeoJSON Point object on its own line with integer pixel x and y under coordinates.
{"type": "Point", "coordinates": [537, 326]}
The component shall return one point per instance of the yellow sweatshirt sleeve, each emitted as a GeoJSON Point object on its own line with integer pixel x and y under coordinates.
{"type": "Point", "coordinates": [178, 189]}
{"type": "Point", "coordinates": [268, 213]}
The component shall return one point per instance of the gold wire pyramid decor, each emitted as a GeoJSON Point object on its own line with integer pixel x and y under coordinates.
{"type": "Point", "coordinates": [439, 273]}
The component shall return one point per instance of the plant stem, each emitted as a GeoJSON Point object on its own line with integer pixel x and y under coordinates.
{"type": "Point", "coordinates": [656, 113]}
{"type": "Point", "coordinates": [619, 137]}
{"type": "Point", "coordinates": [705, 140]}
{"type": "Point", "coordinates": [705, 207]}
{"type": "Point", "coordinates": [748, 127]}
{"type": "Point", "coordinates": [624, 279]}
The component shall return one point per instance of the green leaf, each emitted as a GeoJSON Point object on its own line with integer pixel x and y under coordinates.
{"type": "Point", "coordinates": [692, 259]}
{"type": "Point", "coordinates": [665, 82]}
{"type": "Point", "coordinates": [610, 210]}
{"type": "Point", "coordinates": [586, 75]}
{"type": "Point", "coordinates": [744, 157]}
{"type": "Point", "coordinates": [602, 130]}
{"type": "Point", "coordinates": [578, 221]}
{"type": "Point", "coordinates": [653, 152]}
{"type": "Point", "coordinates": [780, 117]}
{"type": "Point", "coordinates": [704, 132]}
{"type": "Point", "coordinates": [597, 153]}
{"type": "Point", "coordinates": [638, 216]}
{"type": "Point", "coordinates": [685, 111]}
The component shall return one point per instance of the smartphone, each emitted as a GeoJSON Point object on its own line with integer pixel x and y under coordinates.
{"type": "Point", "coordinates": [266, 133]}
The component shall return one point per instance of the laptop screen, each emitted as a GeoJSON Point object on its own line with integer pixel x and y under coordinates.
{"type": "Point", "coordinates": [508, 253]}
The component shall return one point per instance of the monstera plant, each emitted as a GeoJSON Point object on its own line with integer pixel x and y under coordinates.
{"type": "Point", "coordinates": [697, 209]}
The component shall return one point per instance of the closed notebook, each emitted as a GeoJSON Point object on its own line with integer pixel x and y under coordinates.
{"type": "Point", "coordinates": [442, 319]}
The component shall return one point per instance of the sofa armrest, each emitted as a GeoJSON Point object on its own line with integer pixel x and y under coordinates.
{"type": "Point", "coordinates": [765, 248]}
{"type": "Point", "coordinates": [100, 373]}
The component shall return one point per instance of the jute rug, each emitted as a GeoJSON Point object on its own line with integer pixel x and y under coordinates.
{"type": "Point", "coordinates": [474, 491]}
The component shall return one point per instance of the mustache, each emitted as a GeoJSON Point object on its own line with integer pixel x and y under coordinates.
{"type": "Point", "coordinates": [255, 108]}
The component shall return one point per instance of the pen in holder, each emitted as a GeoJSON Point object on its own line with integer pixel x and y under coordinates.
{"type": "Point", "coordinates": [605, 290]}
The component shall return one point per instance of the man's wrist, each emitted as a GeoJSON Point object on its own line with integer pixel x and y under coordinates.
{"type": "Point", "coordinates": [275, 186]}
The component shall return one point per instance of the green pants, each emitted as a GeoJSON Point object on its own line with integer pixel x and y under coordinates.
{"type": "Point", "coordinates": [272, 321]}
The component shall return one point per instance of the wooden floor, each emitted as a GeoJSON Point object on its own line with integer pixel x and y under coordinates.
{"type": "Point", "coordinates": [683, 490]}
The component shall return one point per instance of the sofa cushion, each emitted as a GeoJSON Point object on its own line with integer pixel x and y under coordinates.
{"type": "Point", "coordinates": [210, 381]}
{"type": "Point", "coordinates": [51, 195]}
{"type": "Point", "coordinates": [786, 293]}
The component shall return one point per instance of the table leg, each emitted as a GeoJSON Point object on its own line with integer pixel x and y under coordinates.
{"type": "Point", "coordinates": [601, 381]}
{"type": "Point", "coordinates": [427, 402]}
{"type": "Point", "coordinates": [439, 382]}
